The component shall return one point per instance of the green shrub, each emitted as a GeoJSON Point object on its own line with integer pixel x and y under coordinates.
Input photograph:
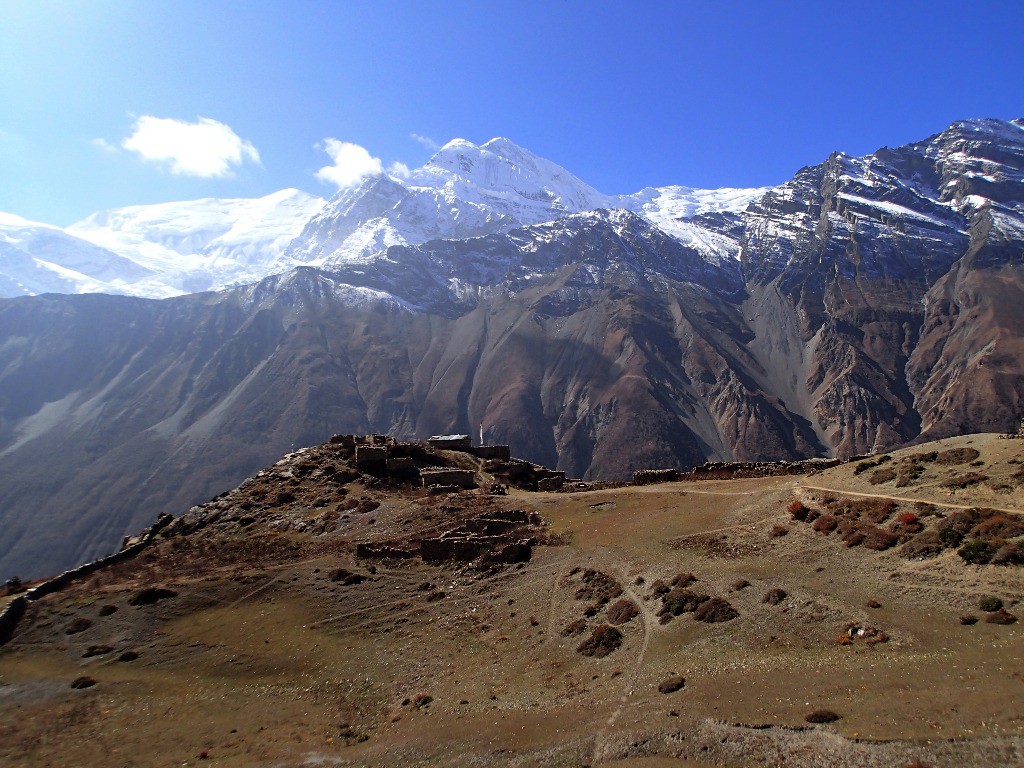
{"type": "Point", "coordinates": [990, 603]}
{"type": "Point", "coordinates": [977, 552]}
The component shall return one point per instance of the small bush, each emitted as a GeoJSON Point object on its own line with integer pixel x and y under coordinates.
{"type": "Point", "coordinates": [976, 552]}
{"type": "Point", "coordinates": [774, 596]}
{"type": "Point", "coordinates": [740, 585]}
{"type": "Point", "coordinates": [605, 639]}
{"type": "Point", "coordinates": [680, 600]}
{"type": "Point", "coordinates": [1008, 554]}
{"type": "Point", "coordinates": [83, 682]}
{"type": "Point", "coordinates": [907, 525]}
{"type": "Point", "coordinates": [822, 716]}
{"type": "Point", "coordinates": [992, 524]}
{"type": "Point", "coordinates": [990, 603]}
{"type": "Point", "coordinates": [777, 531]}
{"type": "Point", "coordinates": [79, 624]}
{"type": "Point", "coordinates": [879, 540]}
{"type": "Point", "coordinates": [908, 474]}
{"type": "Point", "coordinates": [957, 456]}
{"type": "Point", "coordinates": [864, 466]}
{"type": "Point", "coordinates": [853, 534]}
{"type": "Point", "coordinates": [967, 620]}
{"type": "Point", "coordinates": [964, 481]}
{"type": "Point", "coordinates": [128, 656]}
{"type": "Point", "coordinates": [599, 587]}
{"type": "Point", "coordinates": [880, 476]}
{"type": "Point", "coordinates": [825, 524]}
{"type": "Point", "coordinates": [622, 611]}
{"type": "Point", "coordinates": [421, 700]}
{"type": "Point", "coordinates": [659, 588]}
{"type": "Point", "coordinates": [574, 628]}
{"type": "Point", "coordinates": [671, 684]}
{"type": "Point", "coordinates": [107, 610]}
{"type": "Point", "coordinates": [926, 544]}
{"type": "Point", "coordinates": [683, 580]}
{"type": "Point", "coordinates": [715, 610]}
{"type": "Point", "coordinates": [1001, 617]}
{"type": "Point", "coordinates": [798, 510]}
{"type": "Point", "coordinates": [874, 510]}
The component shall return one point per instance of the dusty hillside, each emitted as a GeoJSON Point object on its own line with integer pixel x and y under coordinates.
{"type": "Point", "coordinates": [674, 624]}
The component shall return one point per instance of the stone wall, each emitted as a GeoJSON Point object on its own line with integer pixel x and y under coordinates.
{"type": "Point", "coordinates": [15, 609]}
{"type": "Point", "coordinates": [463, 478]}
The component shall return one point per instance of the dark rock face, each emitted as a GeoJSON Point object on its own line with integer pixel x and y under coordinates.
{"type": "Point", "coordinates": [875, 301]}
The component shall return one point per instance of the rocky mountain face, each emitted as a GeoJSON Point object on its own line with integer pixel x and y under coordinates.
{"type": "Point", "coordinates": [866, 303]}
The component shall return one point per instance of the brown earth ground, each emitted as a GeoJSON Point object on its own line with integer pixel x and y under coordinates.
{"type": "Point", "coordinates": [262, 660]}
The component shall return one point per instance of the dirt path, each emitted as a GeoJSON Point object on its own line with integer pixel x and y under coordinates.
{"type": "Point", "coordinates": [906, 499]}
{"type": "Point", "coordinates": [629, 683]}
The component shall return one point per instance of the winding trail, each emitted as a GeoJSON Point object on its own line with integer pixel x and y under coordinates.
{"type": "Point", "coordinates": [600, 746]}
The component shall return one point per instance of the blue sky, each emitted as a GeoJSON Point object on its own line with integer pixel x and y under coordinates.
{"type": "Point", "coordinates": [625, 95]}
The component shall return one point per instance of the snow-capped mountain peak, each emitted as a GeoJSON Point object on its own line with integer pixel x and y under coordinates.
{"type": "Point", "coordinates": [465, 190]}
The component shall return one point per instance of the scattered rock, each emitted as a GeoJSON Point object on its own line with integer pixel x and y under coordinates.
{"type": "Point", "coordinates": [97, 650]}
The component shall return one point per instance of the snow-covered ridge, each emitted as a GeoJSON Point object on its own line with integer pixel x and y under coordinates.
{"type": "Point", "coordinates": [202, 245]}
{"type": "Point", "coordinates": [470, 191]}
{"type": "Point", "coordinates": [154, 251]}
{"type": "Point", "coordinates": [466, 190]}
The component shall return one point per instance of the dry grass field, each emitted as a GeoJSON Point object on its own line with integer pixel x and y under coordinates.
{"type": "Point", "coordinates": [276, 645]}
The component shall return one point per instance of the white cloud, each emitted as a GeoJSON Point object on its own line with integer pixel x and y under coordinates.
{"type": "Point", "coordinates": [206, 148]}
{"type": "Point", "coordinates": [426, 141]}
{"type": "Point", "coordinates": [399, 170]}
{"type": "Point", "coordinates": [352, 164]}
{"type": "Point", "coordinates": [103, 144]}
